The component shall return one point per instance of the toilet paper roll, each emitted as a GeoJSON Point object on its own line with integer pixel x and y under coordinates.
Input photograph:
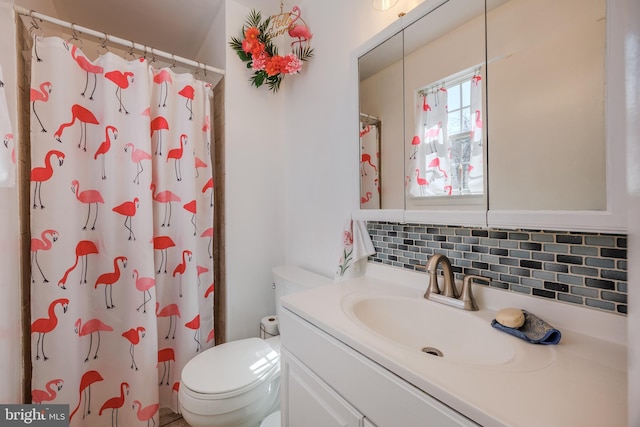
{"type": "Point", "coordinates": [269, 327]}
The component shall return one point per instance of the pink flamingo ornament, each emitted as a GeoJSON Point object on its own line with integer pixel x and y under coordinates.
{"type": "Point", "coordinates": [299, 31]}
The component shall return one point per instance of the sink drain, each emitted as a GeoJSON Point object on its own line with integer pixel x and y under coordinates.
{"type": "Point", "coordinates": [432, 351]}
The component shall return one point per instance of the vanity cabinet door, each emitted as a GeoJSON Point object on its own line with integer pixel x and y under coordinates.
{"type": "Point", "coordinates": [308, 401]}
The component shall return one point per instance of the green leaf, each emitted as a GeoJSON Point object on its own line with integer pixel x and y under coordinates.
{"type": "Point", "coordinates": [274, 83]}
{"type": "Point", "coordinates": [304, 53]}
{"type": "Point", "coordinates": [258, 78]}
{"type": "Point", "coordinates": [254, 19]}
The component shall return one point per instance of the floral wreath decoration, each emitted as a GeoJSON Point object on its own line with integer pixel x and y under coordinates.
{"type": "Point", "coordinates": [257, 49]}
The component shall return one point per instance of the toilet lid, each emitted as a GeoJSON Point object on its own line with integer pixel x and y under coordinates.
{"type": "Point", "coordinates": [231, 368]}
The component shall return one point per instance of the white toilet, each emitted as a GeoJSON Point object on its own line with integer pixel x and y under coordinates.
{"type": "Point", "coordinates": [237, 384]}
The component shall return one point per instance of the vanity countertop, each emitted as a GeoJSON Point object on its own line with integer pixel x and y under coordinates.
{"type": "Point", "coordinates": [582, 381]}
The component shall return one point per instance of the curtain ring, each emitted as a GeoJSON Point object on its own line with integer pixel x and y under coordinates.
{"type": "Point", "coordinates": [34, 24]}
{"type": "Point", "coordinates": [103, 44]}
{"type": "Point", "coordinates": [153, 56]}
{"type": "Point", "coordinates": [130, 53]}
{"type": "Point", "coordinates": [74, 35]}
{"type": "Point", "coordinates": [74, 32]}
{"type": "Point", "coordinates": [173, 57]}
{"type": "Point", "coordinates": [197, 70]}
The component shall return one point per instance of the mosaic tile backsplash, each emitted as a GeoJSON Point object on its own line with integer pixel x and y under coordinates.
{"type": "Point", "coordinates": [586, 269]}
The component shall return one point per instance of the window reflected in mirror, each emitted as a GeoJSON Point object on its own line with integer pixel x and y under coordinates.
{"type": "Point", "coordinates": [447, 144]}
{"type": "Point", "coordinates": [444, 74]}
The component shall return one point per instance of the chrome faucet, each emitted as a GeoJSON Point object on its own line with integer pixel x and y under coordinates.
{"type": "Point", "coordinates": [449, 294]}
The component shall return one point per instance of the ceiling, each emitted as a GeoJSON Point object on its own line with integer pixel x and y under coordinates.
{"type": "Point", "coordinates": [173, 26]}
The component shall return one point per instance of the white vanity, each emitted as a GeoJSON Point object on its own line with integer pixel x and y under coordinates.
{"type": "Point", "coordinates": [352, 355]}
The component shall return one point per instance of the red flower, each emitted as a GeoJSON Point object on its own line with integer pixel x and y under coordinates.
{"type": "Point", "coordinates": [251, 44]}
{"type": "Point", "coordinates": [273, 65]}
{"type": "Point", "coordinates": [348, 238]}
{"type": "Point", "coordinates": [251, 33]}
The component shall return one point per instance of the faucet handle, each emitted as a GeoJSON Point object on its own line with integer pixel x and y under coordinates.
{"type": "Point", "coordinates": [466, 296]}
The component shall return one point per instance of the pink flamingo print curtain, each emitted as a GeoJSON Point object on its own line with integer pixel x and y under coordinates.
{"type": "Point", "coordinates": [121, 224]}
{"type": "Point", "coordinates": [445, 152]}
{"type": "Point", "coordinates": [7, 153]}
{"type": "Point", "coordinates": [369, 167]}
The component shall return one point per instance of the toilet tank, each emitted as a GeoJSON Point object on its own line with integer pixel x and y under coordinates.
{"type": "Point", "coordinates": [289, 279]}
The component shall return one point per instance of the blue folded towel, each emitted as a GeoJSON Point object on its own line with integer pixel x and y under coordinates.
{"type": "Point", "coordinates": [534, 330]}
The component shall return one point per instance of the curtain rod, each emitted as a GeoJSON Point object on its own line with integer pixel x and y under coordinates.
{"type": "Point", "coordinates": [367, 116]}
{"type": "Point", "coordinates": [117, 40]}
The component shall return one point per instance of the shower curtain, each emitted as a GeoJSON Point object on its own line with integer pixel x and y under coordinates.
{"type": "Point", "coordinates": [369, 166]}
{"type": "Point", "coordinates": [122, 229]}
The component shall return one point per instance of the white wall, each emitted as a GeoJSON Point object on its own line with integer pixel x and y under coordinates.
{"type": "Point", "coordinates": [290, 162]}
{"type": "Point", "coordinates": [10, 294]}
{"type": "Point", "coordinates": [321, 122]}
{"type": "Point", "coordinates": [10, 343]}
{"type": "Point", "coordinates": [633, 186]}
{"type": "Point", "coordinates": [291, 183]}
{"type": "Point", "coordinates": [254, 164]}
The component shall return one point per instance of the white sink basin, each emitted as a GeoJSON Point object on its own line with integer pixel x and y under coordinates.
{"type": "Point", "coordinates": [438, 331]}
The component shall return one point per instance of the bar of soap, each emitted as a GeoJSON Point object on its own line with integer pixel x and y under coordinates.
{"type": "Point", "coordinates": [510, 317]}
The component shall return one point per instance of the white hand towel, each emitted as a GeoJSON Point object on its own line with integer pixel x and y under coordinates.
{"type": "Point", "coordinates": [7, 150]}
{"type": "Point", "coordinates": [356, 247]}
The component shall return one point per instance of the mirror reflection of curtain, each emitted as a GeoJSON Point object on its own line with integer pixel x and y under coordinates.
{"type": "Point", "coordinates": [7, 153]}
{"type": "Point", "coordinates": [445, 153]}
{"type": "Point", "coordinates": [369, 166]}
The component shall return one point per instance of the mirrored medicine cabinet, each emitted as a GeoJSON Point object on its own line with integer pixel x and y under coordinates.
{"type": "Point", "coordinates": [492, 113]}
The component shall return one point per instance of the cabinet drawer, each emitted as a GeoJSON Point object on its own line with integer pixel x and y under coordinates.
{"type": "Point", "coordinates": [307, 401]}
{"type": "Point", "coordinates": [384, 398]}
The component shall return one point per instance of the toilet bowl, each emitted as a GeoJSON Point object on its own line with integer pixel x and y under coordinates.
{"type": "Point", "coordinates": [272, 420]}
{"type": "Point", "coordinates": [237, 384]}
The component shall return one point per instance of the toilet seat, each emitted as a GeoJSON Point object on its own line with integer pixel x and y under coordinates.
{"type": "Point", "coordinates": [230, 369]}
